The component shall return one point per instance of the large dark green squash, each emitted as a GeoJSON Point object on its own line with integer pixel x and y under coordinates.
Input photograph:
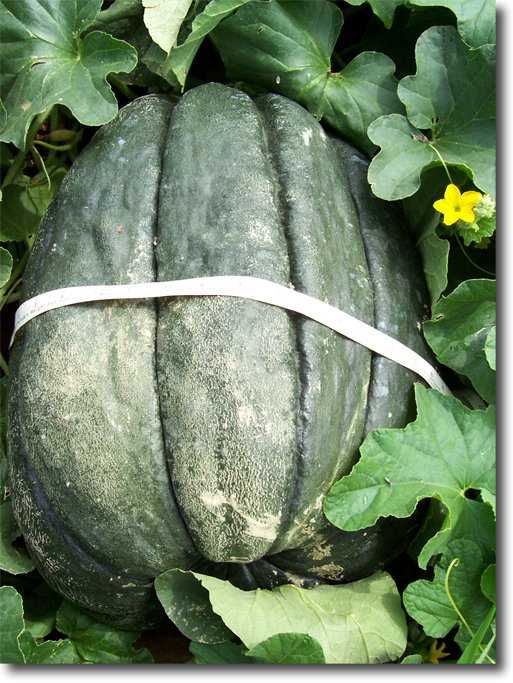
{"type": "Point", "coordinates": [205, 432]}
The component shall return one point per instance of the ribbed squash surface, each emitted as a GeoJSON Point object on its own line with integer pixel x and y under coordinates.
{"type": "Point", "coordinates": [205, 432]}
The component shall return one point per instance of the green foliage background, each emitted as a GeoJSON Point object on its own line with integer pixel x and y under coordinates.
{"type": "Point", "coordinates": [412, 85]}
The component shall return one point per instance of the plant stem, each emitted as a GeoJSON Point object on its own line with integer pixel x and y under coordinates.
{"type": "Point", "coordinates": [34, 149]}
{"type": "Point", "coordinates": [14, 168]}
{"type": "Point", "coordinates": [122, 87]}
{"type": "Point", "coordinates": [3, 365]}
{"type": "Point", "coordinates": [19, 160]}
{"type": "Point", "coordinates": [338, 59]}
{"type": "Point", "coordinates": [58, 148]}
{"type": "Point", "coordinates": [470, 260]}
{"type": "Point", "coordinates": [15, 296]}
{"type": "Point", "coordinates": [54, 124]}
{"type": "Point", "coordinates": [8, 295]}
{"type": "Point", "coordinates": [455, 563]}
{"type": "Point", "coordinates": [442, 160]}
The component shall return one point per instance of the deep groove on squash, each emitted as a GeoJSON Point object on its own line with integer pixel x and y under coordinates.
{"type": "Point", "coordinates": [279, 189]}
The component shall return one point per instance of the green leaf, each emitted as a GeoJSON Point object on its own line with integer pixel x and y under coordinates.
{"type": "Point", "coordinates": [360, 622]}
{"type": "Point", "coordinates": [96, 642]}
{"type": "Point", "coordinates": [163, 19]}
{"type": "Point", "coordinates": [412, 659]}
{"type": "Point", "coordinates": [490, 499]}
{"type": "Point", "coordinates": [405, 153]}
{"type": "Point", "coordinates": [476, 18]}
{"type": "Point", "coordinates": [174, 66]}
{"type": "Point", "coordinates": [452, 97]}
{"type": "Point", "coordinates": [488, 582]}
{"type": "Point", "coordinates": [11, 609]}
{"type": "Point", "coordinates": [220, 653]}
{"type": "Point", "coordinates": [428, 603]}
{"type": "Point", "coordinates": [124, 20]}
{"type": "Point", "coordinates": [49, 652]}
{"type": "Point", "coordinates": [288, 648]}
{"type": "Point", "coordinates": [489, 347]}
{"type": "Point", "coordinates": [286, 47]}
{"type": "Point", "coordinates": [25, 201]}
{"type": "Point", "coordinates": [6, 263]}
{"type": "Point", "coordinates": [384, 9]}
{"type": "Point", "coordinates": [44, 62]}
{"type": "Point", "coordinates": [40, 610]}
{"type": "Point", "coordinates": [186, 603]}
{"type": "Point", "coordinates": [398, 42]}
{"type": "Point", "coordinates": [13, 558]}
{"type": "Point", "coordinates": [459, 330]}
{"type": "Point", "coordinates": [485, 228]}
{"type": "Point", "coordinates": [18, 645]}
{"type": "Point", "coordinates": [282, 648]}
{"type": "Point", "coordinates": [446, 452]}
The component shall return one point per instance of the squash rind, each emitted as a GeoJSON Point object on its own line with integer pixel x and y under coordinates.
{"type": "Point", "coordinates": [151, 435]}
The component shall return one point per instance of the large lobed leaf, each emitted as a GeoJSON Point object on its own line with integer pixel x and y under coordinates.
{"type": "Point", "coordinates": [452, 98]}
{"type": "Point", "coordinates": [361, 622]}
{"type": "Point", "coordinates": [476, 18]}
{"type": "Point", "coordinates": [448, 452]}
{"type": "Point", "coordinates": [286, 47]}
{"type": "Point", "coordinates": [44, 61]}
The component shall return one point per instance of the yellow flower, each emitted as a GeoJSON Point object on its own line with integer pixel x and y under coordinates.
{"type": "Point", "coordinates": [456, 206]}
{"type": "Point", "coordinates": [436, 653]}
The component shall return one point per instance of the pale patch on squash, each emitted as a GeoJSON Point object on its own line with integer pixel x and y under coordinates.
{"type": "Point", "coordinates": [318, 502]}
{"type": "Point", "coordinates": [295, 580]}
{"type": "Point", "coordinates": [307, 136]}
{"type": "Point", "coordinates": [319, 552]}
{"type": "Point", "coordinates": [260, 232]}
{"type": "Point", "coordinates": [329, 571]}
{"type": "Point", "coordinates": [212, 500]}
{"type": "Point", "coordinates": [246, 415]}
{"type": "Point", "coordinates": [266, 528]}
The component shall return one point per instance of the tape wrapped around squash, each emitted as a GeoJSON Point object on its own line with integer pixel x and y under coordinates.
{"type": "Point", "coordinates": [204, 433]}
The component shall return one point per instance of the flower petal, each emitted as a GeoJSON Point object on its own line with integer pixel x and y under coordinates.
{"type": "Point", "coordinates": [466, 214]}
{"type": "Point", "coordinates": [442, 205]}
{"type": "Point", "coordinates": [452, 195]}
{"type": "Point", "coordinates": [448, 210]}
{"type": "Point", "coordinates": [469, 199]}
{"type": "Point", "coordinates": [451, 217]}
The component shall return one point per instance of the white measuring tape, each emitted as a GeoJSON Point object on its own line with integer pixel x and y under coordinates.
{"type": "Point", "coordinates": [244, 287]}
